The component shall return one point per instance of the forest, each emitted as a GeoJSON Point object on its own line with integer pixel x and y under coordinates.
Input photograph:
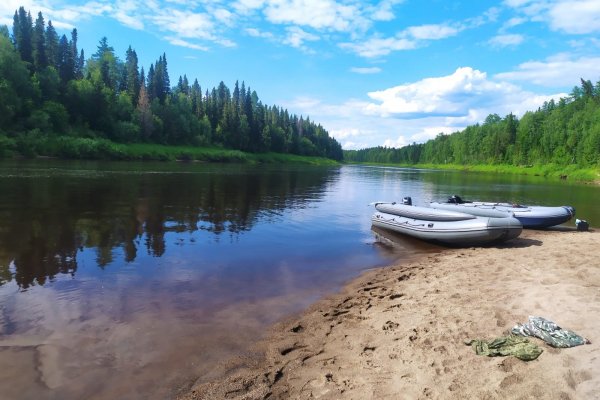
{"type": "Point", "coordinates": [563, 133]}
{"type": "Point", "coordinates": [55, 102]}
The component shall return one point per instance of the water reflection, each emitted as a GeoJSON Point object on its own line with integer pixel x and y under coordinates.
{"type": "Point", "coordinates": [49, 218]}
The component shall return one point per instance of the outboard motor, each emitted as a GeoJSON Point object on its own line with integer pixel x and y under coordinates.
{"type": "Point", "coordinates": [407, 201]}
{"type": "Point", "coordinates": [454, 199]}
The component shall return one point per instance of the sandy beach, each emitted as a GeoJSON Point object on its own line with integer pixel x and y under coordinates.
{"type": "Point", "coordinates": [399, 332]}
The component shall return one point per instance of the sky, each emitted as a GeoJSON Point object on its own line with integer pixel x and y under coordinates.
{"type": "Point", "coordinates": [372, 73]}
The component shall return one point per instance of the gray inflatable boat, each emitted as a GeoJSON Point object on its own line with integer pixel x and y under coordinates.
{"type": "Point", "coordinates": [448, 227]}
{"type": "Point", "coordinates": [530, 216]}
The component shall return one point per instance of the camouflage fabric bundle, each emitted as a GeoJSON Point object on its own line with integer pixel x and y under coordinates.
{"type": "Point", "coordinates": [549, 332]}
{"type": "Point", "coordinates": [511, 345]}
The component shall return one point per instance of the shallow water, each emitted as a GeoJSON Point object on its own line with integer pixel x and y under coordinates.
{"type": "Point", "coordinates": [128, 280]}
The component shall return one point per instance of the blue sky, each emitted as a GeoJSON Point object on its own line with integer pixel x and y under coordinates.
{"type": "Point", "coordinates": [389, 72]}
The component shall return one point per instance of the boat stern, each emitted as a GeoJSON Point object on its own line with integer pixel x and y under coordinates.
{"type": "Point", "coordinates": [508, 227]}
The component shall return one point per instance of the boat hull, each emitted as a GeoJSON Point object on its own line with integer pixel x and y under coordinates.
{"type": "Point", "coordinates": [530, 216]}
{"type": "Point", "coordinates": [467, 232]}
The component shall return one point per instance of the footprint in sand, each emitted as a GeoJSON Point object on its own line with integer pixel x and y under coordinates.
{"type": "Point", "coordinates": [511, 380]}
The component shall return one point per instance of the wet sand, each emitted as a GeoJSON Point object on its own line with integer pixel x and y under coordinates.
{"type": "Point", "coordinates": [399, 332]}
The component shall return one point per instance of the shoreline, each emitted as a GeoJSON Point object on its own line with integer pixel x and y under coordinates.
{"type": "Point", "coordinates": [399, 331]}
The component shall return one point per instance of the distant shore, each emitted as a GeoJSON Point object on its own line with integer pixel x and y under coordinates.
{"type": "Point", "coordinates": [399, 331]}
{"type": "Point", "coordinates": [552, 171]}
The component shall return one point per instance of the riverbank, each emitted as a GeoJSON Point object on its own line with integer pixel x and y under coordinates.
{"type": "Point", "coordinates": [77, 148]}
{"type": "Point", "coordinates": [399, 331]}
{"type": "Point", "coordinates": [553, 171]}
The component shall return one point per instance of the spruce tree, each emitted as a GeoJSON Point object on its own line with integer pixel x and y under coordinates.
{"type": "Point", "coordinates": [132, 74]}
{"type": "Point", "coordinates": [51, 45]}
{"type": "Point", "coordinates": [23, 34]}
{"type": "Point", "coordinates": [40, 60]}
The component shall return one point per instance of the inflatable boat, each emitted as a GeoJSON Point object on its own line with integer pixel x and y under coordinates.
{"type": "Point", "coordinates": [448, 227]}
{"type": "Point", "coordinates": [530, 216]}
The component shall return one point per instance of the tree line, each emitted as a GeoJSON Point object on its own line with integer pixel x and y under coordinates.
{"type": "Point", "coordinates": [566, 132]}
{"type": "Point", "coordinates": [48, 88]}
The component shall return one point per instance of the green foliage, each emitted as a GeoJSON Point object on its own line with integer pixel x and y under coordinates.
{"type": "Point", "coordinates": [7, 146]}
{"type": "Point", "coordinates": [58, 104]}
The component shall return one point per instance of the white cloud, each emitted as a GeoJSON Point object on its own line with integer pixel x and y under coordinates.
{"type": "Point", "coordinates": [400, 141]}
{"type": "Point", "coordinates": [245, 6]}
{"type": "Point", "coordinates": [431, 32]}
{"type": "Point", "coordinates": [377, 47]}
{"type": "Point", "coordinates": [297, 36]}
{"type": "Point", "coordinates": [579, 17]}
{"type": "Point", "coordinates": [512, 22]}
{"type": "Point", "coordinates": [257, 33]}
{"type": "Point", "coordinates": [569, 16]}
{"type": "Point", "coordinates": [558, 71]}
{"type": "Point", "coordinates": [464, 97]}
{"type": "Point", "coordinates": [366, 70]}
{"type": "Point", "coordinates": [317, 14]}
{"type": "Point", "coordinates": [345, 133]}
{"type": "Point", "coordinates": [128, 20]}
{"type": "Point", "coordinates": [506, 40]}
{"type": "Point", "coordinates": [452, 94]}
{"type": "Point", "coordinates": [184, 24]}
{"type": "Point", "coordinates": [183, 43]}
{"type": "Point", "coordinates": [384, 10]}
{"type": "Point", "coordinates": [224, 16]}
{"type": "Point", "coordinates": [408, 39]}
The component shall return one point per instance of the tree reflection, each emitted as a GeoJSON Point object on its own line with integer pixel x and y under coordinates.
{"type": "Point", "coordinates": [47, 221]}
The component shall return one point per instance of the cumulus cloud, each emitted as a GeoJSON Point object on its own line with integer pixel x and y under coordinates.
{"type": "Point", "coordinates": [465, 97]}
{"type": "Point", "coordinates": [448, 95]}
{"type": "Point", "coordinates": [558, 71]}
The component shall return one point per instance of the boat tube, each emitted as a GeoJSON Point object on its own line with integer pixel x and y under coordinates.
{"type": "Point", "coordinates": [530, 216]}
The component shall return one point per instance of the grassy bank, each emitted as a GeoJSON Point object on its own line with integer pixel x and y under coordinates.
{"type": "Point", "coordinates": [76, 148]}
{"type": "Point", "coordinates": [570, 172]}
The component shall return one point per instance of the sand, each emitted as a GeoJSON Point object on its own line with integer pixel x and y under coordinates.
{"type": "Point", "coordinates": [398, 332]}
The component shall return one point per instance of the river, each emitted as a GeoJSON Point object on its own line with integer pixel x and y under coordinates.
{"type": "Point", "coordinates": [130, 280]}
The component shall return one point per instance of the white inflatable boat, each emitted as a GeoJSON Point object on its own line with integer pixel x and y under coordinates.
{"type": "Point", "coordinates": [449, 227]}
